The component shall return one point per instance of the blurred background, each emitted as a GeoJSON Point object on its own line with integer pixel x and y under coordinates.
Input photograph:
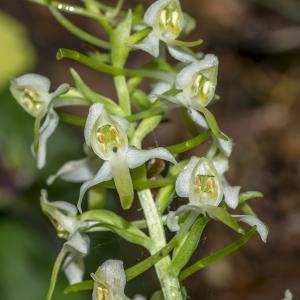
{"type": "Point", "coordinates": [258, 44]}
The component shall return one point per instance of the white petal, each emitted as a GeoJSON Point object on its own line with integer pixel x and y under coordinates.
{"type": "Point", "coordinates": [79, 243]}
{"type": "Point", "coordinates": [198, 118]}
{"type": "Point", "coordinates": [172, 222]}
{"type": "Point", "coordinates": [261, 228]}
{"type": "Point", "coordinates": [122, 122]}
{"type": "Point", "coordinates": [45, 132]}
{"type": "Point", "coordinates": [137, 157]}
{"type": "Point", "coordinates": [77, 170]}
{"type": "Point", "coordinates": [96, 110]}
{"type": "Point", "coordinates": [231, 194]}
{"type": "Point", "coordinates": [62, 89]}
{"type": "Point", "coordinates": [114, 274]}
{"type": "Point", "coordinates": [150, 44]}
{"type": "Point", "coordinates": [225, 146]}
{"type": "Point", "coordinates": [288, 295]}
{"type": "Point", "coordinates": [37, 82]}
{"type": "Point", "coordinates": [221, 164]}
{"type": "Point", "coordinates": [104, 174]}
{"type": "Point", "coordinates": [151, 13]}
{"type": "Point", "coordinates": [180, 55]}
{"type": "Point", "coordinates": [158, 89]}
{"type": "Point", "coordinates": [73, 267]}
{"type": "Point", "coordinates": [183, 179]}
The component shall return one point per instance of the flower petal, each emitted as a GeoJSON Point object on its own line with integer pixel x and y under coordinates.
{"type": "Point", "coordinates": [221, 164]}
{"type": "Point", "coordinates": [45, 132]}
{"type": "Point", "coordinates": [120, 172]}
{"type": "Point", "coordinates": [152, 11]}
{"type": "Point", "coordinates": [62, 89]}
{"type": "Point", "coordinates": [261, 228]}
{"type": "Point", "coordinates": [96, 110]}
{"type": "Point", "coordinates": [183, 180]}
{"type": "Point", "coordinates": [198, 118]}
{"type": "Point", "coordinates": [150, 44]}
{"type": "Point", "coordinates": [136, 157]}
{"type": "Point", "coordinates": [225, 146]}
{"type": "Point", "coordinates": [231, 194]}
{"type": "Point", "coordinates": [158, 89]}
{"type": "Point", "coordinates": [104, 174]}
{"type": "Point", "coordinates": [78, 243]}
{"type": "Point", "coordinates": [73, 267]}
{"type": "Point", "coordinates": [77, 170]}
{"type": "Point", "coordinates": [180, 55]}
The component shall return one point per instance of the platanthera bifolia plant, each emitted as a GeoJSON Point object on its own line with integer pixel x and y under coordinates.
{"type": "Point", "coordinates": [115, 158]}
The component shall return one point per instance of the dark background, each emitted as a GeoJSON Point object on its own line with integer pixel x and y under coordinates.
{"type": "Point", "coordinates": [258, 44]}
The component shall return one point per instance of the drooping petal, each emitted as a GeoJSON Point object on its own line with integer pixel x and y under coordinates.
{"type": "Point", "coordinates": [120, 172]}
{"type": "Point", "coordinates": [104, 174]}
{"type": "Point", "coordinates": [198, 118]}
{"type": "Point", "coordinates": [137, 157]}
{"type": "Point", "coordinates": [78, 243]}
{"type": "Point", "coordinates": [183, 180]}
{"type": "Point", "coordinates": [73, 267]}
{"type": "Point", "coordinates": [221, 164]}
{"type": "Point", "coordinates": [153, 10]}
{"type": "Point", "coordinates": [96, 110]}
{"type": "Point", "coordinates": [150, 44]}
{"type": "Point", "coordinates": [261, 228]}
{"type": "Point", "coordinates": [180, 55]}
{"type": "Point", "coordinates": [231, 194]}
{"type": "Point", "coordinates": [77, 170]}
{"type": "Point", "coordinates": [45, 133]}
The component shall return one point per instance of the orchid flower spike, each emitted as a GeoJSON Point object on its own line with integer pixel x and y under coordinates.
{"type": "Point", "coordinates": [109, 281]}
{"type": "Point", "coordinates": [106, 134]}
{"type": "Point", "coordinates": [32, 93]}
{"type": "Point", "coordinates": [166, 19]}
{"type": "Point", "coordinates": [63, 217]}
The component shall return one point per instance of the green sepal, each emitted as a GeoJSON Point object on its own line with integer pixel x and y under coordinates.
{"type": "Point", "coordinates": [117, 224]}
{"type": "Point", "coordinates": [221, 214]}
{"type": "Point", "coordinates": [244, 197]}
{"type": "Point", "coordinates": [93, 96]}
{"type": "Point", "coordinates": [140, 99]}
{"type": "Point", "coordinates": [72, 120]}
{"type": "Point", "coordinates": [96, 197]}
{"type": "Point", "coordinates": [184, 251]}
{"type": "Point", "coordinates": [183, 43]}
{"type": "Point", "coordinates": [204, 262]}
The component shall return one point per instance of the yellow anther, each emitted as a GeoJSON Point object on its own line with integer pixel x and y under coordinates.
{"type": "Point", "coordinates": [206, 87]}
{"type": "Point", "coordinates": [100, 137]}
{"type": "Point", "coordinates": [102, 294]}
{"type": "Point", "coordinates": [175, 17]}
{"type": "Point", "coordinates": [163, 17]}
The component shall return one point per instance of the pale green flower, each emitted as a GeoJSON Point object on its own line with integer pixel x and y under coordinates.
{"type": "Point", "coordinates": [32, 93]}
{"type": "Point", "coordinates": [166, 19]}
{"type": "Point", "coordinates": [63, 216]}
{"type": "Point", "coordinates": [106, 134]}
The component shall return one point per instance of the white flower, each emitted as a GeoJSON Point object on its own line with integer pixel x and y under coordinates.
{"type": "Point", "coordinates": [202, 181]}
{"type": "Point", "coordinates": [166, 19]}
{"type": "Point", "coordinates": [107, 136]}
{"type": "Point", "coordinates": [63, 217]}
{"type": "Point", "coordinates": [109, 281]}
{"type": "Point", "coordinates": [288, 295]}
{"type": "Point", "coordinates": [32, 93]}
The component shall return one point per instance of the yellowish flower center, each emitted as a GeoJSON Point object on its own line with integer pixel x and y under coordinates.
{"type": "Point", "coordinates": [202, 89]}
{"type": "Point", "coordinates": [206, 184]}
{"type": "Point", "coordinates": [102, 294]}
{"type": "Point", "coordinates": [109, 139]}
{"type": "Point", "coordinates": [170, 21]}
{"type": "Point", "coordinates": [31, 100]}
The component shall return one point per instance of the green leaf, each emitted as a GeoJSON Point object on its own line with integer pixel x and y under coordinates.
{"type": "Point", "coordinates": [117, 224]}
{"type": "Point", "coordinates": [224, 216]}
{"type": "Point", "coordinates": [183, 253]}
{"type": "Point", "coordinates": [190, 144]}
{"type": "Point", "coordinates": [204, 262]}
{"type": "Point", "coordinates": [93, 96]}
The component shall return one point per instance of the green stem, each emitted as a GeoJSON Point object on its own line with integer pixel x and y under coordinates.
{"type": "Point", "coordinates": [170, 284]}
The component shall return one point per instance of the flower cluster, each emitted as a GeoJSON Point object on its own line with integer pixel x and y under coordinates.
{"type": "Point", "coordinates": [114, 155]}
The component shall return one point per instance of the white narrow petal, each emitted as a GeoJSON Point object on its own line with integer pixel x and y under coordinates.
{"type": "Point", "coordinates": [136, 157]}
{"type": "Point", "coordinates": [172, 222]}
{"type": "Point", "coordinates": [45, 132]}
{"type": "Point", "coordinates": [73, 267]}
{"type": "Point", "coordinates": [79, 243]}
{"type": "Point", "coordinates": [151, 13]}
{"type": "Point", "coordinates": [221, 164]}
{"type": "Point", "coordinates": [173, 99]}
{"type": "Point", "coordinates": [114, 274]}
{"type": "Point", "coordinates": [158, 89]}
{"type": "Point", "coordinates": [62, 89]}
{"type": "Point", "coordinates": [231, 194]}
{"type": "Point", "coordinates": [183, 180]}
{"type": "Point", "coordinates": [261, 228]}
{"type": "Point", "coordinates": [150, 44]}
{"type": "Point", "coordinates": [104, 174]}
{"type": "Point", "coordinates": [35, 81]}
{"type": "Point", "coordinates": [180, 55]}
{"type": "Point", "coordinates": [96, 110]}
{"type": "Point", "coordinates": [225, 146]}
{"type": "Point", "coordinates": [77, 170]}
{"type": "Point", "coordinates": [198, 118]}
